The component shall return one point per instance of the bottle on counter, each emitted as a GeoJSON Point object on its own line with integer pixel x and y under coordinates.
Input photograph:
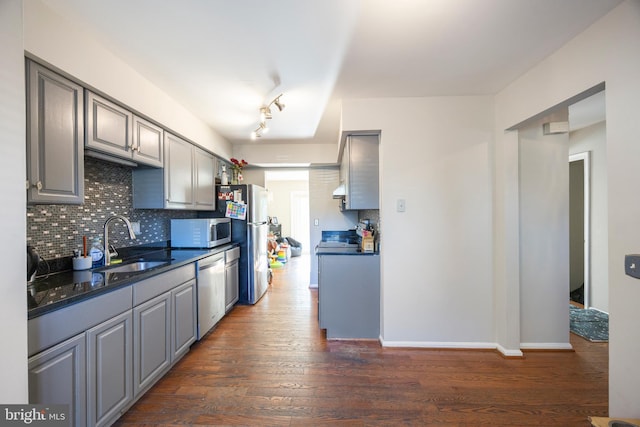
{"type": "Point", "coordinates": [96, 253]}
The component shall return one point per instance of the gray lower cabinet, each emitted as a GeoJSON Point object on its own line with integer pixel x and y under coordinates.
{"type": "Point", "coordinates": [183, 319]}
{"type": "Point", "coordinates": [58, 376]}
{"type": "Point", "coordinates": [349, 295]}
{"type": "Point", "coordinates": [152, 335]}
{"type": "Point", "coordinates": [100, 355]}
{"type": "Point", "coordinates": [55, 138]}
{"type": "Point", "coordinates": [109, 369]}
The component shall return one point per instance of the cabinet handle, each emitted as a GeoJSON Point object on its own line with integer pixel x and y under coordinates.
{"type": "Point", "coordinates": [38, 185]}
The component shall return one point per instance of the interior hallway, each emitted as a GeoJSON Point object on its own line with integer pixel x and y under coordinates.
{"type": "Point", "coordinates": [269, 365]}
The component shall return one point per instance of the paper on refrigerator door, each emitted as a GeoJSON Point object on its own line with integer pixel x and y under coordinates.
{"type": "Point", "coordinates": [236, 210]}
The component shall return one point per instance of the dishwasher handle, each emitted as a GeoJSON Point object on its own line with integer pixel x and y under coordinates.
{"type": "Point", "coordinates": [212, 261]}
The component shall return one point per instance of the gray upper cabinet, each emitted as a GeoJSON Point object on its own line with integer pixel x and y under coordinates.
{"type": "Point", "coordinates": [55, 138]}
{"type": "Point", "coordinates": [179, 180]}
{"type": "Point", "coordinates": [359, 170]}
{"type": "Point", "coordinates": [204, 179]}
{"type": "Point", "coordinates": [115, 131]}
{"type": "Point", "coordinates": [186, 182]}
{"type": "Point", "coordinates": [109, 126]}
{"type": "Point", "coordinates": [147, 142]}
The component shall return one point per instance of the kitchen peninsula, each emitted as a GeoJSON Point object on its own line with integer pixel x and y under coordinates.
{"type": "Point", "coordinates": [348, 289]}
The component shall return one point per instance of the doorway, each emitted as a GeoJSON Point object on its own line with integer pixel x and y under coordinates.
{"type": "Point", "coordinates": [289, 203]}
{"type": "Point", "coordinates": [579, 220]}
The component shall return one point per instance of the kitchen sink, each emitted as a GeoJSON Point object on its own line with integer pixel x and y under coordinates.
{"type": "Point", "coordinates": [134, 267]}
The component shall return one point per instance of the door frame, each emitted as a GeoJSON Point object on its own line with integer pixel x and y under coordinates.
{"type": "Point", "coordinates": [586, 163]}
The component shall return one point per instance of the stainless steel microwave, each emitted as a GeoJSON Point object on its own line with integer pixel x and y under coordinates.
{"type": "Point", "coordinates": [200, 232]}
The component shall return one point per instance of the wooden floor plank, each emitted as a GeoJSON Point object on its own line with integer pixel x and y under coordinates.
{"type": "Point", "coordinates": [270, 365]}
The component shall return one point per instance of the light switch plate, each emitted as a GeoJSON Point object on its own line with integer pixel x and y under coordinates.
{"type": "Point", "coordinates": [401, 205]}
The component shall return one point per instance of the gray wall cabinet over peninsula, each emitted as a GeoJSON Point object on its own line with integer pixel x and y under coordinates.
{"type": "Point", "coordinates": [55, 138]}
{"type": "Point", "coordinates": [359, 172]}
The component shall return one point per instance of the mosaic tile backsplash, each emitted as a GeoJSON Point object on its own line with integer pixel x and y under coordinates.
{"type": "Point", "coordinates": [56, 230]}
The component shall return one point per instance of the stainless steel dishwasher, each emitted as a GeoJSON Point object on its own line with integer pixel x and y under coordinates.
{"type": "Point", "coordinates": [211, 299]}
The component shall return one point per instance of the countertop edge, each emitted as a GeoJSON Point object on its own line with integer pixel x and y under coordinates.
{"type": "Point", "coordinates": [42, 310]}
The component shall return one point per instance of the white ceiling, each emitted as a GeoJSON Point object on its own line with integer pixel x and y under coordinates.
{"type": "Point", "coordinates": [224, 59]}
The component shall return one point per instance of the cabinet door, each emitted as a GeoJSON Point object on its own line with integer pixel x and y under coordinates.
{"type": "Point", "coordinates": [58, 376]}
{"type": "Point", "coordinates": [231, 282]}
{"type": "Point", "coordinates": [178, 172]}
{"type": "Point", "coordinates": [109, 360]}
{"type": "Point", "coordinates": [204, 189]}
{"type": "Point", "coordinates": [184, 323]}
{"type": "Point", "coordinates": [108, 127]}
{"type": "Point", "coordinates": [152, 336]}
{"type": "Point", "coordinates": [363, 186]}
{"type": "Point", "coordinates": [147, 142]}
{"type": "Point", "coordinates": [55, 151]}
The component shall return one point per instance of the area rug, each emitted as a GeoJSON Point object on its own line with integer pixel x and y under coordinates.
{"type": "Point", "coordinates": [590, 324]}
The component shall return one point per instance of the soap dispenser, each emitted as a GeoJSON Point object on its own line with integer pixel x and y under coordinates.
{"type": "Point", "coordinates": [96, 253]}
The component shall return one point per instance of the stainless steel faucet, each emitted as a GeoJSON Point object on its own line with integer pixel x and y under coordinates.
{"type": "Point", "coordinates": [107, 249]}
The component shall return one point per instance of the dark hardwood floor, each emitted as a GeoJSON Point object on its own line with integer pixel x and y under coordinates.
{"type": "Point", "coordinates": [270, 365]}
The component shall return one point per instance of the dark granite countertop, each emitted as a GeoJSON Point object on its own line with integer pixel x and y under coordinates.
{"type": "Point", "coordinates": [54, 291]}
{"type": "Point", "coordinates": [344, 251]}
{"type": "Point", "coordinates": [346, 242]}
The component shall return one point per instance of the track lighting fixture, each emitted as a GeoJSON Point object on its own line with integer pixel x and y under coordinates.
{"type": "Point", "coordinates": [265, 114]}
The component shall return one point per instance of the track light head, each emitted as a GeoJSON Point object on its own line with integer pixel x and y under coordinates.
{"type": "Point", "coordinates": [279, 103]}
{"type": "Point", "coordinates": [265, 114]}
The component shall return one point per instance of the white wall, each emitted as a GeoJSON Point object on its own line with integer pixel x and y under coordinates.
{"type": "Point", "coordinates": [607, 51]}
{"type": "Point", "coordinates": [436, 257]}
{"type": "Point", "coordinates": [322, 182]}
{"type": "Point", "coordinates": [13, 261]}
{"type": "Point", "coordinates": [544, 239]}
{"type": "Point", "coordinates": [262, 152]}
{"type": "Point", "coordinates": [280, 202]}
{"type": "Point", "coordinates": [593, 139]}
{"type": "Point", "coordinates": [62, 44]}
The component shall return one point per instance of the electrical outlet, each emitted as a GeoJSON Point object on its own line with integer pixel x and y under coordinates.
{"type": "Point", "coordinates": [136, 227]}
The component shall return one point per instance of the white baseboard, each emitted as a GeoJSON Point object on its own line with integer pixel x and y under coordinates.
{"type": "Point", "coordinates": [439, 344]}
{"type": "Point", "coordinates": [313, 285]}
{"type": "Point", "coordinates": [509, 352]}
{"type": "Point", "coordinates": [546, 346]}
